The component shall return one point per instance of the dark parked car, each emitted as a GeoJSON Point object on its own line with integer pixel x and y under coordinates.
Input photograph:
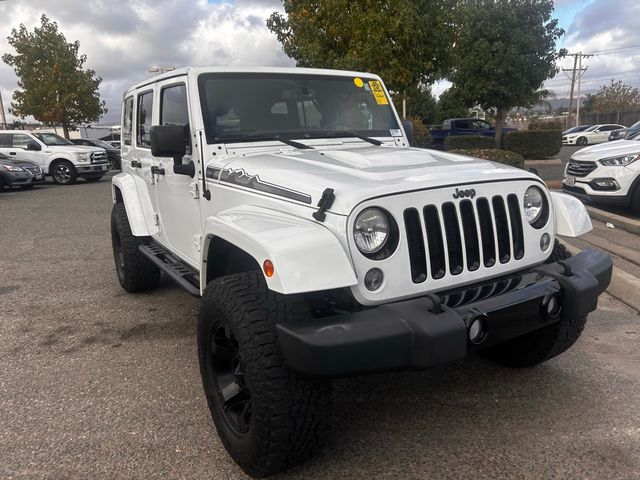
{"type": "Point", "coordinates": [19, 173]}
{"type": "Point", "coordinates": [576, 129]}
{"type": "Point", "coordinates": [113, 153]}
{"type": "Point", "coordinates": [623, 133]}
{"type": "Point", "coordinates": [463, 126]}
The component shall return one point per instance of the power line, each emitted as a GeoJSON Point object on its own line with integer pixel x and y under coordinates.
{"type": "Point", "coordinates": [613, 50]}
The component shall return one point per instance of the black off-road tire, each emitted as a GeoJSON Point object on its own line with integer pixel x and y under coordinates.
{"type": "Point", "coordinates": [136, 272]}
{"type": "Point", "coordinates": [635, 201]}
{"type": "Point", "coordinates": [287, 415]}
{"type": "Point", "coordinates": [559, 252]}
{"type": "Point", "coordinates": [541, 345]}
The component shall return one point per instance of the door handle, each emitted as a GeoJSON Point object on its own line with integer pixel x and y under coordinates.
{"type": "Point", "coordinates": [136, 164]}
{"type": "Point", "coordinates": [157, 170]}
{"type": "Point", "coordinates": [12, 153]}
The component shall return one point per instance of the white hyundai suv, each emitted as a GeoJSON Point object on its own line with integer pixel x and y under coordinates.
{"type": "Point", "coordinates": [56, 156]}
{"type": "Point", "coordinates": [607, 174]}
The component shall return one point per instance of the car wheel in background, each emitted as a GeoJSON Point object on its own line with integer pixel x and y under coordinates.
{"type": "Point", "coordinates": [635, 201]}
{"type": "Point", "coordinates": [114, 164]}
{"type": "Point", "coordinates": [582, 141]}
{"type": "Point", "coordinates": [64, 173]}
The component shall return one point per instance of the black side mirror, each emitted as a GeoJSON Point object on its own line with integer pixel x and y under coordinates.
{"type": "Point", "coordinates": [168, 141]}
{"type": "Point", "coordinates": [33, 146]}
{"type": "Point", "coordinates": [408, 130]}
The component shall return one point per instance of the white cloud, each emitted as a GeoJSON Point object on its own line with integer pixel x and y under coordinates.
{"type": "Point", "coordinates": [123, 38]}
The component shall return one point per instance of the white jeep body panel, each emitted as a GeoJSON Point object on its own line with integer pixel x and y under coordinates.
{"type": "Point", "coordinates": [264, 193]}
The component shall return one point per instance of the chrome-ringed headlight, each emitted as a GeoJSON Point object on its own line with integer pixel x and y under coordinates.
{"type": "Point", "coordinates": [536, 207]}
{"type": "Point", "coordinates": [371, 230]}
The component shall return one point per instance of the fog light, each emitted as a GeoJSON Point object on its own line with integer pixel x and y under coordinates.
{"type": "Point", "coordinates": [477, 330]}
{"type": "Point", "coordinates": [373, 279]}
{"type": "Point", "coordinates": [553, 306]}
{"type": "Point", "coordinates": [608, 184]}
{"type": "Point", "coordinates": [545, 241]}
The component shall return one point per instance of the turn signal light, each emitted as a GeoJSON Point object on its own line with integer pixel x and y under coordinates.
{"type": "Point", "coordinates": [268, 268]}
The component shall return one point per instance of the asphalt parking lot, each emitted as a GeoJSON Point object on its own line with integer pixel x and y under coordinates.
{"type": "Point", "coordinates": [95, 383]}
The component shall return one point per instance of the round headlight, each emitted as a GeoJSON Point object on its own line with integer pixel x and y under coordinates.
{"type": "Point", "coordinates": [371, 230]}
{"type": "Point", "coordinates": [534, 203]}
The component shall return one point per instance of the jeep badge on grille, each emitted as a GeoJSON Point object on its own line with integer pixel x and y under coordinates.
{"type": "Point", "coordinates": [464, 193]}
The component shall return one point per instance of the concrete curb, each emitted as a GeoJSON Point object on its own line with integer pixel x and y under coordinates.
{"type": "Point", "coordinates": [629, 224]}
{"type": "Point", "coordinates": [551, 161]}
{"type": "Point", "coordinates": [623, 286]}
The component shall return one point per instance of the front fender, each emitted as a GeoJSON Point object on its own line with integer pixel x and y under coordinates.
{"type": "Point", "coordinates": [307, 257]}
{"type": "Point", "coordinates": [137, 203]}
{"type": "Point", "coordinates": [572, 218]}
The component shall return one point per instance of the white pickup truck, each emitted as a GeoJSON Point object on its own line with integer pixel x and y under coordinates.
{"type": "Point", "coordinates": [322, 245]}
{"type": "Point", "coordinates": [56, 156]}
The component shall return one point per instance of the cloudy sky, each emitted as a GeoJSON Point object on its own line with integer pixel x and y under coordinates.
{"type": "Point", "coordinates": [122, 39]}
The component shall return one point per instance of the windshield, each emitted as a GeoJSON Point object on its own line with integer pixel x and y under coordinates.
{"type": "Point", "coordinates": [591, 128]}
{"type": "Point", "coordinates": [250, 106]}
{"type": "Point", "coordinates": [51, 139]}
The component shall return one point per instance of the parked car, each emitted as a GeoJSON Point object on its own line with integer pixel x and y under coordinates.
{"type": "Point", "coordinates": [577, 128]}
{"type": "Point", "coordinates": [589, 136]}
{"type": "Point", "coordinates": [625, 132]}
{"type": "Point", "coordinates": [56, 156]}
{"type": "Point", "coordinates": [15, 172]}
{"type": "Point", "coordinates": [463, 126]}
{"type": "Point", "coordinates": [113, 153]}
{"type": "Point", "coordinates": [607, 174]}
{"type": "Point", "coordinates": [321, 245]}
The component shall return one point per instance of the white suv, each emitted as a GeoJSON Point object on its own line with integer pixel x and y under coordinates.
{"type": "Point", "coordinates": [56, 156]}
{"type": "Point", "coordinates": [607, 174]}
{"type": "Point", "coordinates": [322, 245]}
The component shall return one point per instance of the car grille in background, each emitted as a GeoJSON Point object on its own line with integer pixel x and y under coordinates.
{"type": "Point", "coordinates": [99, 157]}
{"type": "Point", "coordinates": [465, 233]}
{"type": "Point", "coordinates": [580, 169]}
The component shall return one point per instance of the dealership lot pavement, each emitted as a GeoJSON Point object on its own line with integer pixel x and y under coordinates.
{"type": "Point", "coordinates": [95, 383]}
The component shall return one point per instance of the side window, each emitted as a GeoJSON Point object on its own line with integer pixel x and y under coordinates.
{"type": "Point", "coordinates": [20, 140]}
{"type": "Point", "coordinates": [145, 114]}
{"type": "Point", "coordinates": [127, 121]}
{"type": "Point", "coordinates": [174, 109]}
{"type": "Point", "coordinates": [5, 140]}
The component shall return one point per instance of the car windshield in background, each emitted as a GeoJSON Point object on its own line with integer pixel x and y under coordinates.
{"type": "Point", "coordinates": [51, 139]}
{"type": "Point", "coordinates": [101, 144]}
{"type": "Point", "coordinates": [242, 107]}
{"type": "Point", "coordinates": [591, 128]}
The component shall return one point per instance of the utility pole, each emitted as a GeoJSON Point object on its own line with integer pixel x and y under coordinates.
{"type": "Point", "coordinates": [576, 74]}
{"type": "Point", "coordinates": [3, 119]}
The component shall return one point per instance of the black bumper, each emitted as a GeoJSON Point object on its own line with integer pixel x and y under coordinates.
{"type": "Point", "coordinates": [416, 334]}
{"type": "Point", "coordinates": [611, 200]}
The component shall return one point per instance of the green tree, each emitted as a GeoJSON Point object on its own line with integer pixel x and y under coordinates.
{"type": "Point", "coordinates": [404, 41]}
{"type": "Point", "coordinates": [420, 103]}
{"type": "Point", "coordinates": [452, 104]}
{"type": "Point", "coordinates": [504, 51]}
{"type": "Point", "coordinates": [615, 97]}
{"type": "Point", "coordinates": [53, 86]}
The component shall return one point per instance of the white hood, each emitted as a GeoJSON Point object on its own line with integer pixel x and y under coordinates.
{"type": "Point", "coordinates": [72, 148]}
{"type": "Point", "coordinates": [610, 149]}
{"type": "Point", "coordinates": [360, 173]}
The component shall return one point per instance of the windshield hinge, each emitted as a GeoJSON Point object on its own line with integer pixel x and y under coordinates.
{"type": "Point", "coordinates": [197, 239]}
{"type": "Point", "coordinates": [194, 191]}
{"type": "Point", "coordinates": [156, 219]}
{"type": "Point", "coordinates": [325, 204]}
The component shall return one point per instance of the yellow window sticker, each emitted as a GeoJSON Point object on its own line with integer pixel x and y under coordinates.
{"type": "Point", "coordinates": [358, 81]}
{"type": "Point", "coordinates": [378, 92]}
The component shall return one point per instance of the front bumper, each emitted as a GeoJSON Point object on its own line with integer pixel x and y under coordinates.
{"type": "Point", "coordinates": [94, 170]}
{"type": "Point", "coordinates": [612, 200]}
{"type": "Point", "coordinates": [414, 334]}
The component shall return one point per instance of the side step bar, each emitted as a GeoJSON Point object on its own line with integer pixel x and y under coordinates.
{"type": "Point", "coordinates": [184, 275]}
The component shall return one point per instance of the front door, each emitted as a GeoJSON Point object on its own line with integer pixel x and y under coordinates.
{"type": "Point", "coordinates": [177, 195]}
{"type": "Point", "coordinates": [15, 145]}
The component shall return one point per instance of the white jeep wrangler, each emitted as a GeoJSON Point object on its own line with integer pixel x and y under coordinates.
{"type": "Point", "coordinates": [322, 245]}
{"type": "Point", "coordinates": [55, 155]}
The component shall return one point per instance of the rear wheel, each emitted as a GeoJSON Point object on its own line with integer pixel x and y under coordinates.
{"type": "Point", "coordinates": [268, 417]}
{"type": "Point", "coordinates": [135, 271]}
{"type": "Point", "coordinates": [64, 173]}
{"type": "Point", "coordinates": [582, 141]}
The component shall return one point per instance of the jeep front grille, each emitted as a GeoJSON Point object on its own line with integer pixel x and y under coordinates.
{"type": "Point", "coordinates": [580, 169]}
{"type": "Point", "coordinates": [459, 236]}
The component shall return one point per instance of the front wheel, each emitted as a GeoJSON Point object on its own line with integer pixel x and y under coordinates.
{"type": "Point", "coordinates": [64, 173]}
{"type": "Point", "coordinates": [268, 417]}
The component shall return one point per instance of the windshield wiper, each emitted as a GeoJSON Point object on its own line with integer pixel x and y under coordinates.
{"type": "Point", "coordinates": [351, 133]}
{"type": "Point", "coordinates": [259, 137]}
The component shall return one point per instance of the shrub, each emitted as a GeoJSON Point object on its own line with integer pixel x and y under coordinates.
{"type": "Point", "coordinates": [421, 135]}
{"type": "Point", "coordinates": [468, 142]}
{"type": "Point", "coordinates": [553, 124]}
{"type": "Point", "coordinates": [538, 144]}
{"type": "Point", "coordinates": [501, 156]}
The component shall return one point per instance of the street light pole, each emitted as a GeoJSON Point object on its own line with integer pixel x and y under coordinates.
{"type": "Point", "coordinates": [3, 119]}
